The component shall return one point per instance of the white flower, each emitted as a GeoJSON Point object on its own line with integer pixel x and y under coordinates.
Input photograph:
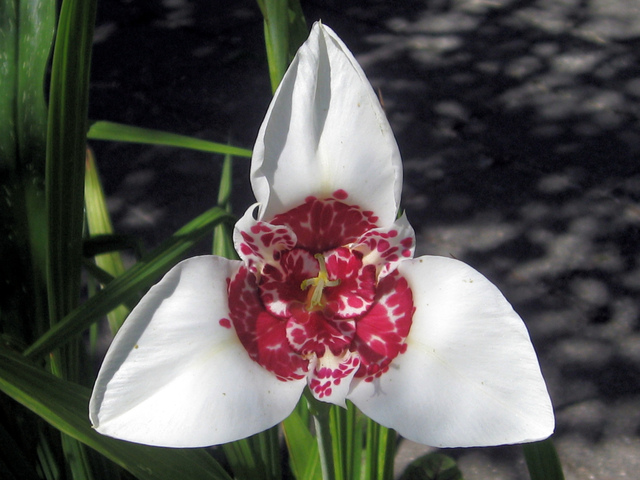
{"type": "Point", "coordinates": [327, 295]}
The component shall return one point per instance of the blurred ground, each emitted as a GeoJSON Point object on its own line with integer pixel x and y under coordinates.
{"type": "Point", "coordinates": [518, 121]}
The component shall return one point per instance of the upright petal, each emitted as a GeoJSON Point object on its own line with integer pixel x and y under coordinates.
{"type": "Point", "coordinates": [469, 376]}
{"type": "Point", "coordinates": [326, 135]}
{"type": "Point", "coordinates": [176, 374]}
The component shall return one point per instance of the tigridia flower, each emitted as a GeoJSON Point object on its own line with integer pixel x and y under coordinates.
{"type": "Point", "coordinates": [327, 295]}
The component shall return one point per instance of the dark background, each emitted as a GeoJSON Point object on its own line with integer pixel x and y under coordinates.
{"type": "Point", "coordinates": [518, 121]}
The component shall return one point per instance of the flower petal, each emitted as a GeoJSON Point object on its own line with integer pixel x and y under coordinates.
{"type": "Point", "coordinates": [260, 243]}
{"type": "Point", "coordinates": [469, 376]}
{"type": "Point", "coordinates": [382, 332]}
{"type": "Point", "coordinates": [262, 334]}
{"type": "Point", "coordinates": [386, 247]}
{"type": "Point", "coordinates": [324, 129]}
{"type": "Point", "coordinates": [176, 374]}
{"type": "Point", "coordinates": [331, 376]}
{"type": "Point", "coordinates": [320, 225]}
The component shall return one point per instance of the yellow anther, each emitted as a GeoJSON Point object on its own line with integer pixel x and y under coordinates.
{"type": "Point", "coordinates": [317, 284]}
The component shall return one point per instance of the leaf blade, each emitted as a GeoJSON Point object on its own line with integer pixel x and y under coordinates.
{"type": "Point", "coordinates": [119, 132]}
{"type": "Point", "coordinates": [99, 223]}
{"type": "Point", "coordinates": [543, 461]}
{"type": "Point", "coordinates": [303, 448]}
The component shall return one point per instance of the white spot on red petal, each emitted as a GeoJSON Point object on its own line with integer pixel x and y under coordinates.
{"type": "Point", "coordinates": [382, 331]}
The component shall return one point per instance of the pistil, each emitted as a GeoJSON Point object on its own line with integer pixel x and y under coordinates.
{"type": "Point", "coordinates": [317, 284]}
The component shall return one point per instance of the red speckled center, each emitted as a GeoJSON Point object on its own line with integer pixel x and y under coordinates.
{"type": "Point", "coordinates": [359, 319]}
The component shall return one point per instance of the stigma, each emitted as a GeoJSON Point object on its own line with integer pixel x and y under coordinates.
{"type": "Point", "coordinates": [317, 284]}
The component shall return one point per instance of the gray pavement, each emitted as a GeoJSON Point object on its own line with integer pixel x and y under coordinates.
{"type": "Point", "coordinates": [518, 121]}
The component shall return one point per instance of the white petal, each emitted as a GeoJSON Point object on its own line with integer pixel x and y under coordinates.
{"type": "Point", "coordinates": [176, 376]}
{"type": "Point", "coordinates": [325, 131]}
{"type": "Point", "coordinates": [470, 376]}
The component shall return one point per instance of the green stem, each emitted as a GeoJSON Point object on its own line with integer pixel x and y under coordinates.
{"type": "Point", "coordinates": [321, 420]}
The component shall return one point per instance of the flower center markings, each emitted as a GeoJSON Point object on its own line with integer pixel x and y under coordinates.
{"type": "Point", "coordinates": [315, 299]}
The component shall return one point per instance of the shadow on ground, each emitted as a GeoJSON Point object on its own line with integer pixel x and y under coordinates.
{"type": "Point", "coordinates": [519, 126]}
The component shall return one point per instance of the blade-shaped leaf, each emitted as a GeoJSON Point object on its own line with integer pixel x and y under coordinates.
{"type": "Point", "coordinates": [9, 29]}
{"type": "Point", "coordinates": [99, 223]}
{"type": "Point", "coordinates": [65, 405]}
{"type": "Point", "coordinates": [66, 138]}
{"type": "Point", "coordinates": [285, 29]}
{"type": "Point", "coordinates": [242, 460]}
{"type": "Point", "coordinates": [256, 457]}
{"type": "Point", "coordinates": [346, 432]}
{"type": "Point", "coordinates": [542, 460]}
{"type": "Point", "coordinates": [432, 466]}
{"type": "Point", "coordinates": [140, 276]}
{"type": "Point", "coordinates": [223, 233]}
{"type": "Point", "coordinates": [126, 133]}
{"type": "Point", "coordinates": [303, 448]}
{"type": "Point", "coordinates": [379, 452]}
{"type": "Point", "coordinates": [64, 188]}
{"type": "Point", "coordinates": [26, 34]}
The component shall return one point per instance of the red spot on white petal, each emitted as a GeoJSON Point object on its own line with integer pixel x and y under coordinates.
{"type": "Point", "coordinates": [385, 247]}
{"type": "Point", "coordinates": [263, 244]}
{"type": "Point", "coordinates": [225, 322]}
{"type": "Point", "coordinates": [340, 194]}
{"type": "Point", "coordinates": [332, 374]}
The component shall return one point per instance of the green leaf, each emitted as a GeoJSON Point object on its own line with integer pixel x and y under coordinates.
{"type": "Point", "coordinates": [542, 460]}
{"type": "Point", "coordinates": [285, 29]}
{"type": "Point", "coordinates": [266, 446]}
{"type": "Point", "coordinates": [26, 34]}
{"type": "Point", "coordinates": [433, 466]}
{"type": "Point", "coordinates": [256, 457]}
{"type": "Point", "coordinates": [126, 133]}
{"type": "Point", "coordinates": [99, 244]}
{"type": "Point", "coordinates": [64, 188]}
{"type": "Point", "coordinates": [303, 448]}
{"type": "Point", "coordinates": [99, 223]}
{"type": "Point", "coordinates": [65, 406]}
{"type": "Point", "coordinates": [321, 415]}
{"type": "Point", "coordinates": [48, 463]}
{"type": "Point", "coordinates": [66, 147]}
{"type": "Point", "coordinates": [347, 435]}
{"type": "Point", "coordinates": [244, 464]}
{"type": "Point", "coordinates": [379, 452]}
{"type": "Point", "coordinates": [121, 289]}
{"type": "Point", "coordinates": [223, 233]}
{"type": "Point", "coordinates": [9, 64]}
